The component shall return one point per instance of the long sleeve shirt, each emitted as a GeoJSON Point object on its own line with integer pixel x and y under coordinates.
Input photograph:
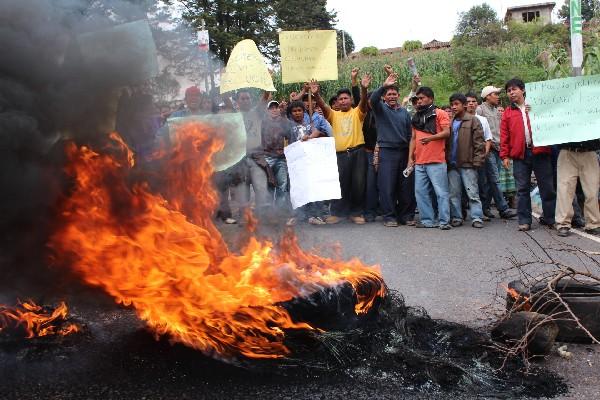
{"type": "Point", "coordinates": [394, 128]}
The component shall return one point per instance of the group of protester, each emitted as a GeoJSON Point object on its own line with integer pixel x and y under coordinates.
{"type": "Point", "coordinates": [396, 156]}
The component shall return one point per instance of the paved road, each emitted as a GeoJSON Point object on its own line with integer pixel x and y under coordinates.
{"type": "Point", "coordinates": [454, 274]}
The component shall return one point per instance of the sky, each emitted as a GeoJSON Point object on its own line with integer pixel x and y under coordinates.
{"type": "Point", "coordinates": [385, 23]}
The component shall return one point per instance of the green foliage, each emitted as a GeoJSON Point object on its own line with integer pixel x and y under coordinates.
{"type": "Point", "coordinates": [479, 26]}
{"type": "Point", "coordinates": [412, 45]}
{"type": "Point", "coordinates": [369, 51]}
{"type": "Point", "coordinates": [300, 15]}
{"type": "Point", "coordinates": [538, 32]}
{"type": "Point", "coordinates": [349, 43]}
{"type": "Point", "coordinates": [589, 10]}
{"type": "Point", "coordinates": [591, 56]}
{"type": "Point", "coordinates": [230, 21]}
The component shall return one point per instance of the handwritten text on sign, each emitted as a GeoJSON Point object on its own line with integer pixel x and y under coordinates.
{"type": "Point", "coordinates": [307, 55]}
{"type": "Point", "coordinates": [564, 110]}
{"type": "Point", "coordinates": [246, 68]}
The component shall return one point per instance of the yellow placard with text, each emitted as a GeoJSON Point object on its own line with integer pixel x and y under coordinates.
{"type": "Point", "coordinates": [307, 55]}
{"type": "Point", "coordinates": [246, 68]}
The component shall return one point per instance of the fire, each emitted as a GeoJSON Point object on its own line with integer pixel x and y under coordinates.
{"type": "Point", "coordinates": [163, 255]}
{"type": "Point", "coordinates": [36, 321]}
{"type": "Point", "coordinates": [522, 301]}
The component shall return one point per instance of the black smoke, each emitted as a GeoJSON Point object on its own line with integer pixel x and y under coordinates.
{"type": "Point", "coordinates": [49, 93]}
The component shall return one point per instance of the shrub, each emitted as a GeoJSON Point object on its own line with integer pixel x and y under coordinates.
{"type": "Point", "coordinates": [369, 51]}
{"type": "Point", "coordinates": [412, 45]}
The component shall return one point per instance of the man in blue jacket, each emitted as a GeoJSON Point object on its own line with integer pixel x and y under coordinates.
{"type": "Point", "coordinates": [394, 132]}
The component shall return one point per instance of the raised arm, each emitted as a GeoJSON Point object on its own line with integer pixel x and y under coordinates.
{"type": "Point", "coordinates": [355, 86]}
{"type": "Point", "coordinates": [314, 89]}
{"type": "Point", "coordinates": [364, 85]}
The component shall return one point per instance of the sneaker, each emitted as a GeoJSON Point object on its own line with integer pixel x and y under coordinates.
{"type": "Point", "coordinates": [316, 221]}
{"type": "Point", "coordinates": [456, 223]}
{"type": "Point", "coordinates": [486, 218]}
{"type": "Point", "coordinates": [421, 225]}
{"type": "Point", "coordinates": [332, 219]}
{"type": "Point", "coordinates": [593, 231]}
{"type": "Point", "coordinates": [358, 220]}
{"type": "Point", "coordinates": [390, 224]}
{"type": "Point", "coordinates": [543, 221]}
{"type": "Point", "coordinates": [412, 222]}
{"type": "Point", "coordinates": [564, 231]}
{"type": "Point", "coordinates": [229, 221]}
{"type": "Point", "coordinates": [524, 227]}
{"type": "Point", "coordinates": [477, 224]}
{"type": "Point", "coordinates": [445, 227]}
{"type": "Point", "coordinates": [508, 214]}
{"type": "Point", "coordinates": [488, 213]}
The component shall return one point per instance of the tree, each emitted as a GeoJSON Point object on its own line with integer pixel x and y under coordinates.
{"type": "Point", "coordinates": [411, 45]}
{"type": "Point", "coordinates": [347, 39]}
{"type": "Point", "coordinates": [230, 21]}
{"type": "Point", "coordinates": [369, 51]}
{"type": "Point", "coordinates": [479, 24]}
{"type": "Point", "coordinates": [298, 15]}
{"type": "Point", "coordinates": [589, 10]}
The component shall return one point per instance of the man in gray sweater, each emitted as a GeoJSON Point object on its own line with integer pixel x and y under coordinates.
{"type": "Point", "coordinates": [394, 131]}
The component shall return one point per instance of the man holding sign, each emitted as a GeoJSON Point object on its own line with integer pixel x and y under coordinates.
{"type": "Point", "coordinates": [516, 143]}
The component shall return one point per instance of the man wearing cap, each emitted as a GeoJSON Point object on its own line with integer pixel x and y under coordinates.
{"type": "Point", "coordinates": [488, 109]}
{"type": "Point", "coordinates": [195, 103]}
{"type": "Point", "coordinates": [516, 143]}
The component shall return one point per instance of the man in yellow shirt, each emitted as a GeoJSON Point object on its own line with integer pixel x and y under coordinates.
{"type": "Point", "coordinates": [351, 156]}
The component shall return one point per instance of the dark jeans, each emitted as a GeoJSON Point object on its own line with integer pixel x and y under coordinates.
{"type": "Point", "coordinates": [352, 168]}
{"type": "Point", "coordinates": [489, 183]}
{"type": "Point", "coordinates": [372, 198]}
{"type": "Point", "coordinates": [314, 209]}
{"type": "Point", "coordinates": [397, 193]}
{"type": "Point", "coordinates": [541, 165]}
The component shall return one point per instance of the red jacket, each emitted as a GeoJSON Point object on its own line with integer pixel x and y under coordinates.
{"type": "Point", "coordinates": [512, 135]}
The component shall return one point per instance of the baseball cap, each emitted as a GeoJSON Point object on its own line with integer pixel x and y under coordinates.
{"type": "Point", "coordinates": [489, 90]}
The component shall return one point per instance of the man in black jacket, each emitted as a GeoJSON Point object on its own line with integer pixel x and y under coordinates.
{"type": "Point", "coordinates": [394, 132]}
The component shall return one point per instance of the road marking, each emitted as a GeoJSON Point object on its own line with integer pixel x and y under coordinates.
{"type": "Point", "coordinates": [575, 231]}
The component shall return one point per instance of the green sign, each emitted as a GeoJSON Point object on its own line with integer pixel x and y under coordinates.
{"type": "Point", "coordinates": [576, 21]}
{"type": "Point", "coordinates": [564, 110]}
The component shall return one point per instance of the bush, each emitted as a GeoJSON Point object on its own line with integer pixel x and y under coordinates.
{"type": "Point", "coordinates": [369, 51]}
{"type": "Point", "coordinates": [412, 45]}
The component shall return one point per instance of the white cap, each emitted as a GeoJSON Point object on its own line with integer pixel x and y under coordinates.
{"type": "Point", "coordinates": [489, 90]}
{"type": "Point", "coordinates": [271, 103]}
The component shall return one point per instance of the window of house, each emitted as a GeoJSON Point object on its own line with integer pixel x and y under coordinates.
{"type": "Point", "coordinates": [530, 16]}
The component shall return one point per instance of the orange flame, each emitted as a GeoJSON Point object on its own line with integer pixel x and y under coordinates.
{"type": "Point", "coordinates": [165, 257]}
{"type": "Point", "coordinates": [520, 299]}
{"type": "Point", "coordinates": [35, 320]}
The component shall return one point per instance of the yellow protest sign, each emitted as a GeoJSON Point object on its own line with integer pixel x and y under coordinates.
{"type": "Point", "coordinates": [307, 55]}
{"type": "Point", "coordinates": [246, 68]}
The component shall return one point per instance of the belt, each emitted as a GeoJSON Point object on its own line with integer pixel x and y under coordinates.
{"type": "Point", "coordinates": [351, 149]}
{"type": "Point", "coordinates": [577, 149]}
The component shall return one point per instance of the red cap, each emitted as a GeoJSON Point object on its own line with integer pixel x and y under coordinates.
{"type": "Point", "coordinates": [192, 90]}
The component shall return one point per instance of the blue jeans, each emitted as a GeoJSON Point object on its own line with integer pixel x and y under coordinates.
{"type": "Point", "coordinates": [396, 192]}
{"type": "Point", "coordinates": [541, 165]}
{"type": "Point", "coordinates": [467, 178]}
{"type": "Point", "coordinates": [372, 197]}
{"type": "Point", "coordinates": [279, 167]}
{"type": "Point", "coordinates": [426, 177]}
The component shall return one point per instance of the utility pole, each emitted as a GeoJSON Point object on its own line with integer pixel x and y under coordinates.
{"type": "Point", "coordinates": [576, 37]}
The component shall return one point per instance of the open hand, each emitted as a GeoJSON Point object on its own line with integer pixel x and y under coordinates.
{"type": "Point", "coordinates": [366, 81]}
{"type": "Point", "coordinates": [391, 80]}
{"type": "Point", "coordinates": [388, 69]}
{"type": "Point", "coordinates": [314, 87]}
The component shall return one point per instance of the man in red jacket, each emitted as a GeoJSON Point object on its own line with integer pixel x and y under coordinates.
{"type": "Point", "coordinates": [516, 143]}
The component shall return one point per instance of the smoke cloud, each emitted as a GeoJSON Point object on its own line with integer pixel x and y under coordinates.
{"type": "Point", "coordinates": [51, 90]}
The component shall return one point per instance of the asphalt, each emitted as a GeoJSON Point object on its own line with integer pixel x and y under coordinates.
{"type": "Point", "coordinates": [455, 275]}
